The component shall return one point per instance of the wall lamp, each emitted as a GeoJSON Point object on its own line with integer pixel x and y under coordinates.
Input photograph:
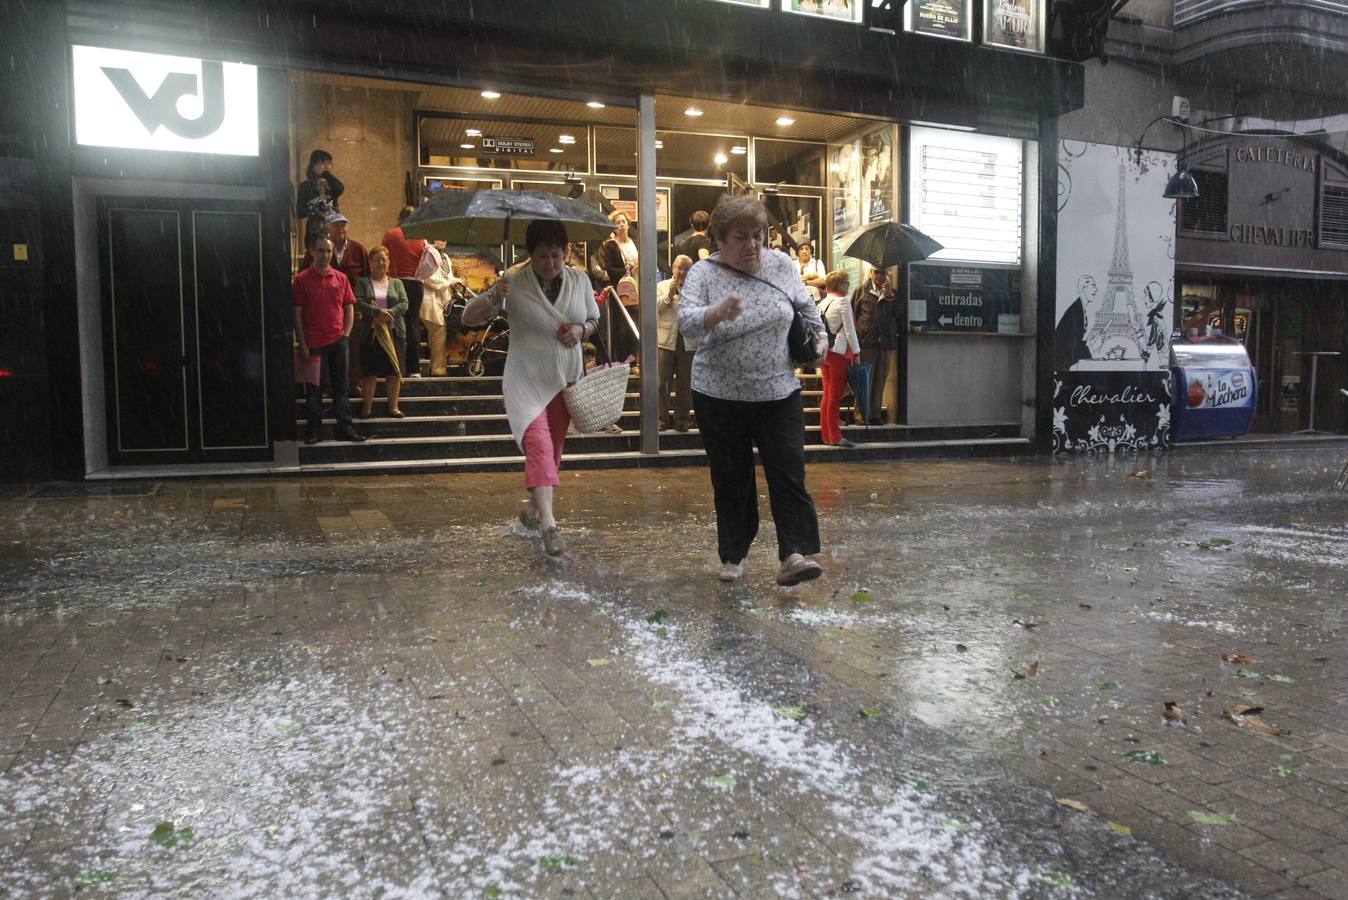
{"type": "Point", "coordinates": [1182, 185]}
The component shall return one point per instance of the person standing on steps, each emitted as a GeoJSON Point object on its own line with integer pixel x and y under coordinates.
{"type": "Point", "coordinates": [552, 313]}
{"type": "Point", "coordinates": [324, 313]}
{"type": "Point", "coordinates": [404, 258]}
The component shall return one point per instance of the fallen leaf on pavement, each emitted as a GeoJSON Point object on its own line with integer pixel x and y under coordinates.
{"type": "Point", "coordinates": [1140, 473]}
{"type": "Point", "coordinates": [1033, 670]}
{"type": "Point", "coordinates": [1084, 605]}
{"type": "Point", "coordinates": [794, 713]}
{"type": "Point", "coordinates": [725, 782]}
{"type": "Point", "coordinates": [660, 615]}
{"type": "Point", "coordinates": [1247, 717]}
{"type": "Point", "coordinates": [1207, 818]}
{"type": "Point", "coordinates": [1239, 659]}
{"type": "Point", "coordinates": [1121, 829]}
{"type": "Point", "coordinates": [861, 596]}
{"type": "Point", "coordinates": [1077, 805]}
{"type": "Point", "coordinates": [1150, 757]}
{"type": "Point", "coordinates": [869, 712]}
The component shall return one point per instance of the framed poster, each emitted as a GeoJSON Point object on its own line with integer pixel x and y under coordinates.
{"type": "Point", "coordinates": [940, 18]}
{"type": "Point", "coordinates": [793, 221]}
{"type": "Point", "coordinates": [877, 175]}
{"type": "Point", "coordinates": [760, 4]}
{"type": "Point", "coordinates": [1016, 24]}
{"type": "Point", "coordinates": [844, 10]}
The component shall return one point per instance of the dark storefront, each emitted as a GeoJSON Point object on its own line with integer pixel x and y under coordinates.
{"type": "Point", "coordinates": [1262, 256]}
{"type": "Point", "coordinates": [153, 252]}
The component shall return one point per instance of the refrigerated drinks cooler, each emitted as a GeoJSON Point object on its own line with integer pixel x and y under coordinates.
{"type": "Point", "coordinates": [1214, 387]}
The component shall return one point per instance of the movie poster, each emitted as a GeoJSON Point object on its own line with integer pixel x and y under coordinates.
{"type": "Point", "coordinates": [877, 176]}
{"type": "Point", "coordinates": [847, 10]}
{"type": "Point", "coordinates": [942, 18]}
{"type": "Point", "coordinates": [1013, 23]}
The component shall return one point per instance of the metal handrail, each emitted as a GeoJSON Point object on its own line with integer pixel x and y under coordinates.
{"type": "Point", "coordinates": [612, 300]}
{"type": "Point", "coordinates": [1188, 12]}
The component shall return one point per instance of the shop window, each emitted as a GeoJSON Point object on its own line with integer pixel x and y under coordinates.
{"type": "Point", "coordinates": [489, 144]}
{"type": "Point", "coordinates": [968, 194]}
{"type": "Point", "coordinates": [841, 10]}
{"type": "Point", "coordinates": [1206, 212]}
{"type": "Point", "coordinates": [682, 154]}
{"type": "Point", "coordinates": [788, 162]}
{"type": "Point", "coordinates": [615, 151]}
{"type": "Point", "coordinates": [1334, 215]}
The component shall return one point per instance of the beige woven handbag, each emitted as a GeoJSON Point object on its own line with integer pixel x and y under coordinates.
{"type": "Point", "coordinates": [596, 400]}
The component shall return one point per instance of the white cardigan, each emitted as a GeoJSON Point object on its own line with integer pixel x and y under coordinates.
{"type": "Point", "coordinates": [537, 365]}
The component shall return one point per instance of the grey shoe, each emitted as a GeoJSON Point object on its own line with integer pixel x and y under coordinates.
{"type": "Point", "coordinates": [731, 571]}
{"type": "Point", "coordinates": [553, 542]}
{"type": "Point", "coordinates": [796, 568]}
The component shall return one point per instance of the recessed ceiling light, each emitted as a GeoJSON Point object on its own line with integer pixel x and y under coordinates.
{"type": "Point", "coordinates": [595, 104]}
{"type": "Point", "coordinates": [473, 132]}
{"type": "Point", "coordinates": [566, 139]}
{"type": "Point", "coordinates": [785, 121]}
{"type": "Point", "coordinates": [491, 95]}
{"type": "Point", "coordinates": [739, 150]}
{"type": "Point", "coordinates": [467, 146]}
{"type": "Point", "coordinates": [556, 150]}
{"type": "Point", "coordinates": [692, 111]}
{"type": "Point", "coordinates": [722, 159]}
{"type": "Point", "coordinates": [659, 145]}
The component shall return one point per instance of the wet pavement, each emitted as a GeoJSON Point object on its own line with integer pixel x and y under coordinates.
{"type": "Point", "coordinates": [380, 687]}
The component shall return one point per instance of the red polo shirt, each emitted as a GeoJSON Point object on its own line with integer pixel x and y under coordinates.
{"type": "Point", "coordinates": [323, 298]}
{"type": "Point", "coordinates": [404, 255]}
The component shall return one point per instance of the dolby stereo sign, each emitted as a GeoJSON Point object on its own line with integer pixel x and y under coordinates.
{"type": "Point", "coordinates": [147, 101]}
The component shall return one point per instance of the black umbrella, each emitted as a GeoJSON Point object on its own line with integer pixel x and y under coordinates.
{"type": "Point", "coordinates": [501, 216]}
{"type": "Point", "coordinates": [886, 244]}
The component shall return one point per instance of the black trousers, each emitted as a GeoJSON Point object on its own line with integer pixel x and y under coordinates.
{"type": "Point", "coordinates": [412, 356]}
{"type": "Point", "coordinates": [335, 359]}
{"type": "Point", "coordinates": [730, 430]}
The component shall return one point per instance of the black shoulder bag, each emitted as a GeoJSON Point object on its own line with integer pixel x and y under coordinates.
{"type": "Point", "coordinates": [800, 339]}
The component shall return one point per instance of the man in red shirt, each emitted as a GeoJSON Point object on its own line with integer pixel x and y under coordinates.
{"type": "Point", "coordinates": [324, 312]}
{"type": "Point", "coordinates": [404, 257]}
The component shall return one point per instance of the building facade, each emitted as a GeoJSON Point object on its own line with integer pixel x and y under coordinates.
{"type": "Point", "coordinates": [154, 151]}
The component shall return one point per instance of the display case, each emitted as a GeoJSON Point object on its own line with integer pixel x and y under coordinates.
{"type": "Point", "coordinates": [1214, 387]}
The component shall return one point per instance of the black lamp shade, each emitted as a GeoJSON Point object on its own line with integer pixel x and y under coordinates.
{"type": "Point", "coordinates": [1181, 185]}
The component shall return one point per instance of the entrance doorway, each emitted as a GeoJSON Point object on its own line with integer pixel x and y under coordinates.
{"type": "Point", "coordinates": [181, 301]}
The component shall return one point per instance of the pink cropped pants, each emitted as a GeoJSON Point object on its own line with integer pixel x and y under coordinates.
{"type": "Point", "coordinates": [543, 441]}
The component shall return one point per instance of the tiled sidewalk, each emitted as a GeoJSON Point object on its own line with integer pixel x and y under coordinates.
{"type": "Point", "coordinates": [351, 687]}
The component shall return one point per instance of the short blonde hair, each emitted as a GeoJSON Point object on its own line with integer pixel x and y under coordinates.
{"type": "Point", "coordinates": [381, 250]}
{"type": "Point", "coordinates": [837, 281]}
{"type": "Point", "coordinates": [737, 212]}
{"type": "Point", "coordinates": [613, 216]}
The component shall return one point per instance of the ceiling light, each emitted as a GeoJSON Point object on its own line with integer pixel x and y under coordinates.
{"type": "Point", "coordinates": [692, 111]}
{"type": "Point", "coordinates": [467, 146]}
{"type": "Point", "coordinates": [556, 150]}
{"type": "Point", "coordinates": [659, 145]}
{"type": "Point", "coordinates": [739, 150]}
{"type": "Point", "coordinates": [785, 121]}
{"type": "Point", "coordinates": [722, 159]}
{"type": "Point", "coordinates": [473, 132]}
{"type": "Point", "coordinates": [491, 95]}
{"type": "Point", "coordinates": [595, 104]}
{"type": "Point", "coordinates": [566, 139]}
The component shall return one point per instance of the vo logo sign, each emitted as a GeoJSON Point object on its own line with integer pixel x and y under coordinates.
{"type": "Point", "coordinates": [146, 101]}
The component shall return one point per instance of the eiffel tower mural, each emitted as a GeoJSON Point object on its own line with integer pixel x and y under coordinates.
{"type": "Point", "coordinates": [1116, 330]}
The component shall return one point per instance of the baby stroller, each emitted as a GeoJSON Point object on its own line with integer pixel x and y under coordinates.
{"type": "Point", "coordinates": [487, 349]}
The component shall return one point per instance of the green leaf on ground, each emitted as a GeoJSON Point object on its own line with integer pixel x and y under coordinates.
{"type": "Point", "coordinates": [1245, 673]}
{"type": "Point", "coordinates": [957, 825]}
{"type": "Point", "coordinates": [482, 582]}
{"type": "Point", "coordinates": [726, 782]}
{"type": "Point", "coordinates": [565, 861]}
{"type": "Point", "coordinates": [1150, 757]}
{"type": "Point", "coordinates": [1113, 704]}
{"type": "Point", "coordinates": [660, 615]}
{"type": "Point", "coordinates": [755, 857]}
{"type": "Point", "coordinates": [1052, 702]}
{"type": "Point", "coordinates": [288, 726]}
{"type": "Point", "coordinates": [660, 705]}
{"type": "Point", "coordinates": [1053, 879]}
{"type": "Point", "coordinates": [1017, 595]}
{"type": "Point", "coordinates": [869, 712]}
{"type": "Point", "coordinates": [1207, 818]}
{"type": "Point", "coordinates": [1219, 542]}
{"type": "Point", "coordinates": [861, 596]}
{"type": "Point", "coordinates": [1286, 772]}
{"type": "Point", "coordinates": [1121, 829]}
{"type": "Point", "coordinates": [922, 787]}
{"type": "Point", "coordinates": [662, 632]}
{"type": "Point", "coordinates": [1106, 686]}
{"type": "Point", "coordinates": [492, 892]}
{"type": "Point", "coordinates": [524, 690]}
{"type": "Point", "coordinates": [1281, 679]}
{"type": "Point", "coordinates": [794, 713]}
{"type": "Point", "coordinates": [165, 835]}
{"type": "Point", "coordinates": [91, 877]}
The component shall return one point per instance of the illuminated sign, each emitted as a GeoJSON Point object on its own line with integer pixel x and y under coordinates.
{"type": "Point", "coordinates": [967, 194]}
{"type": "Point", "coordinates": [147, 101]}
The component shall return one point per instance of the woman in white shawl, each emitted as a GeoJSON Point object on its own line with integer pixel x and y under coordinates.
{"type": "Point", "coordinates": [552, 311]}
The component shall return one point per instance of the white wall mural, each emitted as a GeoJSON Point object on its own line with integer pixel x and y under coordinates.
{"type": "Point", "coordinates": [1115, 297]}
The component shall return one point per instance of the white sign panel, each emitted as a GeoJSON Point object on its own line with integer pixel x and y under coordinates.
{"type": "Point", "coordinates": [146, 101]}
{"type": "Point", "coordinates": [968, 194]}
